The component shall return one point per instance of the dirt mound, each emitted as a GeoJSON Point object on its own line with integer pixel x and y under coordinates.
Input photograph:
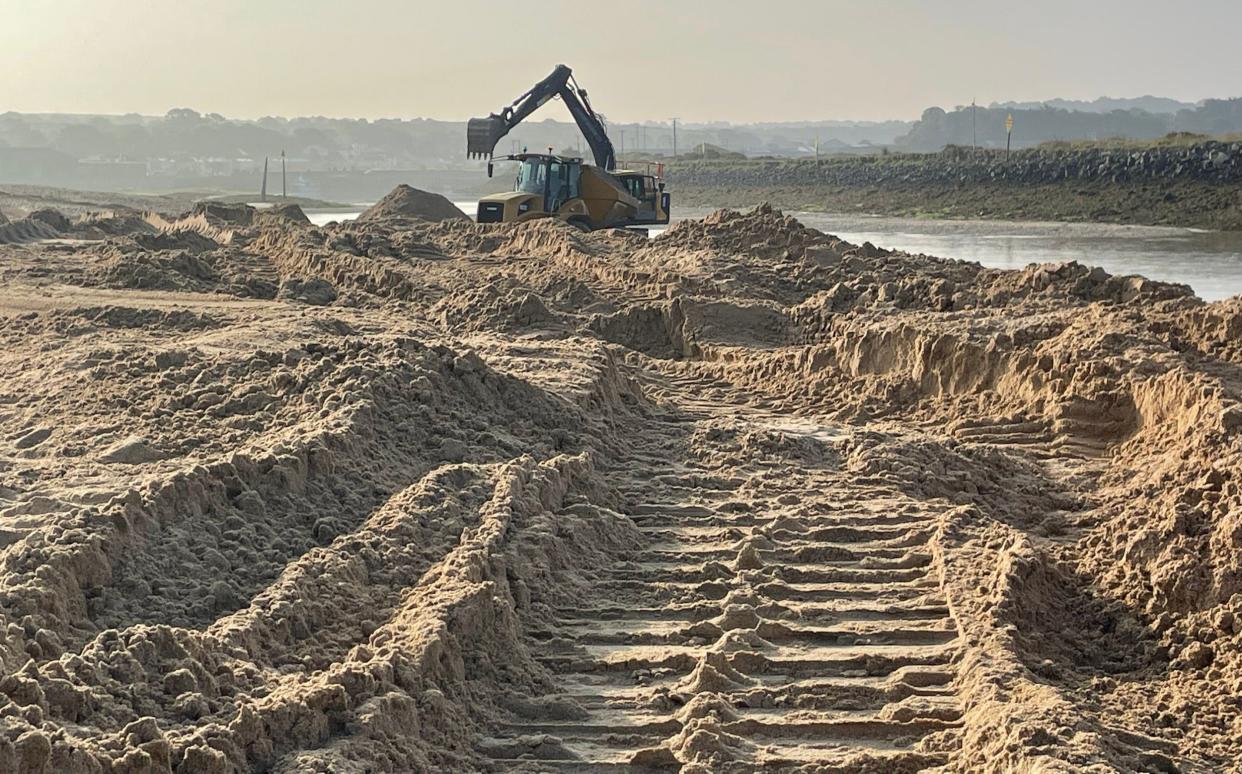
{"type": "Point", "coordinates": [281, 214]}
{"type": "Point", "coordinates": [764, 232]}
{"type": "Point", "coordinates": [406, 202]}
{"type": "Point", "coordinates": [103, 224]}
{"type": "Point", "coordinates": [53, 218]}
{"type": "Point", "coordinates": [310, 291]}
{"type": "Point", "coordinates": [26, 230]}
{"type": "Point", "coordinates": [181, 261]}
{"type": "Point", "coordinates": [191, 241]}
{"type": "Point", "coordinates": [493, 308]}
{"type": "Point", "coordinates": [224, 214]}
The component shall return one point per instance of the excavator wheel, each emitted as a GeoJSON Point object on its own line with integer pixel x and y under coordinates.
{"type": "Point", "coordinates": [580, 222]}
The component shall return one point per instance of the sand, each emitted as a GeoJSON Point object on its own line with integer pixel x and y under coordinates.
{"type": "Point", "coordinates": [406, 202]}
{"type": "Point", "coordinates": [399, 495]}
{"type": "Point", "coordinates": [282, 213]}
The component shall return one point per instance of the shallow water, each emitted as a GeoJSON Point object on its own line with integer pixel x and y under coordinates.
{"type": "Point", "coordinates": [1209, 261]}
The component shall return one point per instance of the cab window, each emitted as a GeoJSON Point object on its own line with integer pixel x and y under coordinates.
{"type": "Point", "coordinates": [558, 185]}
{"type": "Point", "coordinates": [564, 178]}
{"type": "Point", "coordinates": [634, 186]}
{"type": "Point", "coordinates": [531, 176]}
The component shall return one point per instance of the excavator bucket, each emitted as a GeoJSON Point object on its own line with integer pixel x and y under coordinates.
{"type": "Point", "coordinates": [482, 134]}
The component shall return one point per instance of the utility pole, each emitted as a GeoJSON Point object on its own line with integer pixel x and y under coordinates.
{"type": "Point", "coordinates": [263, 189]}
{"type": "Point", "coordinates": [284, 183]}
{"type": "Point", "coordinates": [674, 139]}
{"type": "Point", "coordinates": [974, 134]}
{"type": "Point", "coordinates": [817, 150]}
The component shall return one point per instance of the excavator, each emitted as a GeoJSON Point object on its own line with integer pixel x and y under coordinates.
{"type": "Point", "coordinates": [587, 196]}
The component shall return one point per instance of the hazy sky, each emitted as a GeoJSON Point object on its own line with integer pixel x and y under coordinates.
{"type": "Point", "coordinates": [700, 60]}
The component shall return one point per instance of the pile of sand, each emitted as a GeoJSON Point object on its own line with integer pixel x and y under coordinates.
{"type": "Point", "coordinates": [224, 213]}
{"type": "Point", "coordinates": [281, 214]}
{"type": "Point", "coordinates": [54, 218]}
{"type": "Point", "coordinates": [102, 224]}
{"type": "Point", "coordinates": [406, 202]}
{"type": "Point", "coordinates": [26, 230]}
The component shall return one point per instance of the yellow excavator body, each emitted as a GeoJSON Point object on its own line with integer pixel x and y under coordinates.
{"type": "Point", "coordinates": [584, 195]}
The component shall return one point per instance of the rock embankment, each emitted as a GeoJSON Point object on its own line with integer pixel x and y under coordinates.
{"type": "Point", "coordinates": [1212, 162]}
{"type": "Point", "coordinates": [1198, 184]}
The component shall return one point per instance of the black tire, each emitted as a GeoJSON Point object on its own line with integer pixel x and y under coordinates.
{"type": "Point", "coordinates": [580, 222]}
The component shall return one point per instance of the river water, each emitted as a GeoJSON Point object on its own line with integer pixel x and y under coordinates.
{"type": "Point", "coordinates": [1209, 261]}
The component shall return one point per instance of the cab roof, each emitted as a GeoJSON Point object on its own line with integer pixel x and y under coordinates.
{"type": "Point", "coordinates": [553, 156]}
{"type": "Point", "coordinates": [571, 160]}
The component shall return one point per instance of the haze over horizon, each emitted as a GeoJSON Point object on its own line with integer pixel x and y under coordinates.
{"type": "Point", "coordinates": [696, 60]}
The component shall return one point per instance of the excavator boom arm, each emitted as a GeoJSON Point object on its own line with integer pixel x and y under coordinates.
{"type": "Point", "coordinates": [482, 134]}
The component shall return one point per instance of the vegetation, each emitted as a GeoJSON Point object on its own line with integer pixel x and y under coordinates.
{"type": "Point", "coordinates": [1170, 140]}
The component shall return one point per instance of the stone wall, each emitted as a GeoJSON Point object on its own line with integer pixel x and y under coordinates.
{"type": "Point", "coordinates": [1208, 161]}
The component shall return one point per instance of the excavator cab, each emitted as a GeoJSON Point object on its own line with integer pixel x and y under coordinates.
{"type": "Point", "coordinates": [557, 179]}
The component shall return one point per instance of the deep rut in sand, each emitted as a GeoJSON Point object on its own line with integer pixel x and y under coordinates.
{"type": "Point", "coordinates": [778, 614]}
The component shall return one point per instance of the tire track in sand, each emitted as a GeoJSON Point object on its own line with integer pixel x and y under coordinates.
{"type": "Point", "coordinates": [780, 616]}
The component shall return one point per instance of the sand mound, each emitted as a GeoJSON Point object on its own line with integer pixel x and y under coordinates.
{"type": "Point", "coordinates": [310, 291]}
{"type": "Point", "coordinates": [188, 240]}
{"type": "Point", "coordinates": [281, 214]}
{"type": "Point", "coordinates": [406, 202]}
{"type": "Point", "coordinates": [53, 218]}
{"type": "Point", "coordinates": [131, 451]}
{"type": "Point", "coordinates": [107, 223]}
{"type": "Point", "coordinates": [224, 214]}
{"type": "Point", "coordinates": [26, 230]}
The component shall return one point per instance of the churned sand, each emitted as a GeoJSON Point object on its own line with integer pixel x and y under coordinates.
{"type": "Point", "coordinates": [401, 495]}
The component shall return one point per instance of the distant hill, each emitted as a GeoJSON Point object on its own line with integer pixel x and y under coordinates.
{"type": "Point", "coordinates": [1147, 104]}
{"type": "Point", "coordinates": [343, 159]}
{"type": "Point", "coordinates": [985, 126]}
{"type": "Point", "coordinates": [359, 160]}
